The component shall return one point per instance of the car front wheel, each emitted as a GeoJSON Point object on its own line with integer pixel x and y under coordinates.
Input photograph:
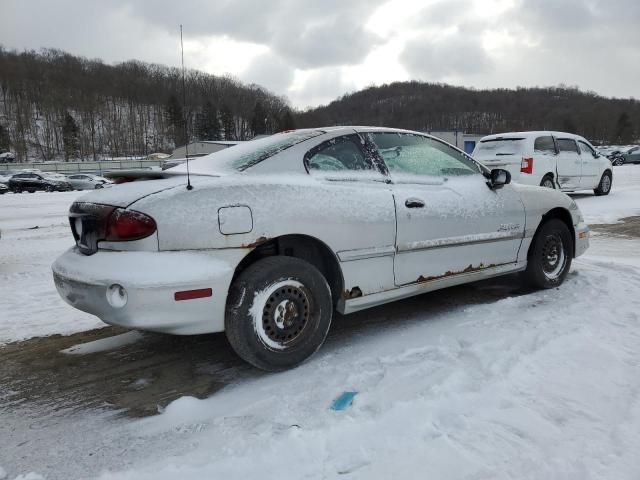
{"type": "Point", "coordinates": [279, 312]}
{"type": "Point", "coordinates": [604, 187]}
{"type": "Point", "coordinates": [550, 255]}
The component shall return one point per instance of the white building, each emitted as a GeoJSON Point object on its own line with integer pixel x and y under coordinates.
{"type": "Point", "coordinates": [464, 141]}
{"type": "Point", "coordinates": [201, 148]}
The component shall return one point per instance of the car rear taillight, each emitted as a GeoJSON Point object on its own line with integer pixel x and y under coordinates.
{"type": "Point", "coordinates": [125, 225]}
{"type": "Point", "coordinates": [527, 165]}
{"type": "Point", "coordinates": [92, 223]}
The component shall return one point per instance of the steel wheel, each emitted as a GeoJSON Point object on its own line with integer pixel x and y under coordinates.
{"type": "Point", "coordinates": [554, 257]}
{"type": "Point", "coordinates": [285, 314]}
{"type": "Point", "coordinates": [549, 257]}
{"type": "Point", "coordinates": [279, 311]}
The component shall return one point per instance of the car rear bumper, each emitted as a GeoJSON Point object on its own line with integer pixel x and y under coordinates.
{"type": "Point", "coordinates": [151, 281]}
{"type": "Point", "coordinates": [582, 238]}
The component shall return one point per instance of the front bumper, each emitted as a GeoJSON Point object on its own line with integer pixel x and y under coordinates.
{"type": "Point", "coordinates": [151, 280]}
{"type": "Point", "coordinates": [582, 238]}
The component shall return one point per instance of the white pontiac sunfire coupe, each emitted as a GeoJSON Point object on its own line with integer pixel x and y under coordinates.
{"type": "Point", "coordinates": [269, 237]}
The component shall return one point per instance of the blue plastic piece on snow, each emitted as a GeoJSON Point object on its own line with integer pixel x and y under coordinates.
{"type": "Point", "coordinates": [343, 401]}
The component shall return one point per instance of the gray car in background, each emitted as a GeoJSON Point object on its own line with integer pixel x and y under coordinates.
{"type": "Point", "coordinates": [632, 155]}
{"type": "Point", "coordinates": [87, 181]}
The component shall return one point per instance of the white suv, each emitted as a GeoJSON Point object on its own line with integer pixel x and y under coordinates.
{"type": "Point", "coordinates": [549, 159]}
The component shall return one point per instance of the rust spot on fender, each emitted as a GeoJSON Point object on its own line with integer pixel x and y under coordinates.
{"type": "Point", "coordinates": [355, 292]}
{"type": "Point", "coordinates": [255, 243]}
{"type": "Point", "coordinates": [449, 273]}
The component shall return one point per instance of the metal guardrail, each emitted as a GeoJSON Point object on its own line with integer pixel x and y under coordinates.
{"type": "Point", "coordinates": [82, 167]}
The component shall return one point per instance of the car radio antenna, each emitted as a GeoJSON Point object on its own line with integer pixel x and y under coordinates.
{"type": "Point", "coordinates": [184, 113]}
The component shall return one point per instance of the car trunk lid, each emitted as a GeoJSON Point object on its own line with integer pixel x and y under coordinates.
{"type": "Point", "coordinates": [125, 194]}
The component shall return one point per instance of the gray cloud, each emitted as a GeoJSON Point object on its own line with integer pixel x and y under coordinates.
{"type": "Point", "coordinates": [308, 34]}
{"type": "Point", "coordinates": [589, 43]}
{"type": "Point", "coordinates": [448, 56]}
{"type": "Point", "coordinates": [322, 86]}
{"type": "Point", "coordinates": [269, 71]}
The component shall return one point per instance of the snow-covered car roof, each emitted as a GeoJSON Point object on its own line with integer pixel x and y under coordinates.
{"type": "Point", "coordinates": [532, 134]}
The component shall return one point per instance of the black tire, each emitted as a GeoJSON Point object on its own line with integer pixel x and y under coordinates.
{"type": "Point", "coordinates": [258, 304]}
{"type": "Point", "coordinates": [547, 181]}
{"type": "Point", "coordinates": [16, 190]}
{"type": "Point", "coordinates": [604, 187]}
{"type": "Point", "coordinates": [550, 255]}
{"type": "Point", "coordinates": [50, 188]}
{"type": "Point", "coordinates": [618, 161]}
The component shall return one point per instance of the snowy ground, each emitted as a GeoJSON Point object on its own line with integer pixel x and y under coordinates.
{"type": "Point", "coordinates": [35, 230]}
{"type": "Point", "coordinates": [540, 385]}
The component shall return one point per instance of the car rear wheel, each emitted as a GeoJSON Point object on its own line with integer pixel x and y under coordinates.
{"type": "Point", "coordinates": [550, 255]}
{"type": "Point", "coordinates": [279, 312]}
{"type": "Point", "coordinates": [618, 161]}
{"type": "Point", "coordinates": [604, 187]}
{"type": "Point", "coordinates": [50, 188]}
{"type": "Point", "coordinates": [16, 190]}
{"type": "Point", "coordinates": [547, 182]}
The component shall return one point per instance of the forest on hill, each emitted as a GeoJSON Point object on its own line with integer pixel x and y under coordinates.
{"type": "Point", "coordinates": [55, 106]}
{"type": "Point", "coordinates": [59, 106]}
{"type": "Point", "coordinates": [430, 107]}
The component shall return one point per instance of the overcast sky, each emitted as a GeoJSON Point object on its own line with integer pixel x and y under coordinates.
{"type": "Point", "coordinates": [314, 51]}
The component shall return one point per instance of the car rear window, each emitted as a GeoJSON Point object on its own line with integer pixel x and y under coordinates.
{"type": "Point", "coordinates": [544, 144]}
{"type": "Point", "coordinates": [246, 154]}
{"type": "Point", "coordinates": [499, 147]}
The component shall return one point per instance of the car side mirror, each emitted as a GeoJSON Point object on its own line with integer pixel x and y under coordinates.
{"type": "Point", "coordinates": [498, 178]}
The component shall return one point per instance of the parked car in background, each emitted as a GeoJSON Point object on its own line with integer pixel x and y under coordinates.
{"type": "Point", "coordinates": [31, 182]}
{"type": "Point", "coordinates": [5, 175]}
{"type": "Point", "coordinates": [269, 237]}
{"type": "Point", "coordinates": [7, 157]}
{"type": "Point", "coordinates": [3, 188]}
{"type": "Point", "coordinates": [632, 155]}
{"type": "Point", "coordinates": [549, 159]}
{"type": "Point", "coordinates": [87, 181]}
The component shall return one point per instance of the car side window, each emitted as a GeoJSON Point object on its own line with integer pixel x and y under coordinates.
{"type": "Point", "coordinates": [337, 154]}
{"type": "Point", "coordinates": [586, 149]}
{"type": "Point", "coordinates": [544, 144]}
{"type": "Point", "coordinates": [413, 154]}
{"type": "Point", "coordinates": [567, 145]}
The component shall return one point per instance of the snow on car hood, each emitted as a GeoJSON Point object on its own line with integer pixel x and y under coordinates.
{"type": "Point", "coordinates": [124, 194]}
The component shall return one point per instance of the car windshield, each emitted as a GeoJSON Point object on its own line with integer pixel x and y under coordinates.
{"type": "Point", "coordinates": [245, 155]}
{"type": "Point", "coordinates": [499, 147]}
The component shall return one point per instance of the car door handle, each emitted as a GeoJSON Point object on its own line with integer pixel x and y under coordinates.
{"type": "Point", "coordinates": [414, 203]}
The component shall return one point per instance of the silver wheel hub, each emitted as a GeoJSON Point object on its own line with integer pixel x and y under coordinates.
{"type": "Point", "coordinates": [285, 314]}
